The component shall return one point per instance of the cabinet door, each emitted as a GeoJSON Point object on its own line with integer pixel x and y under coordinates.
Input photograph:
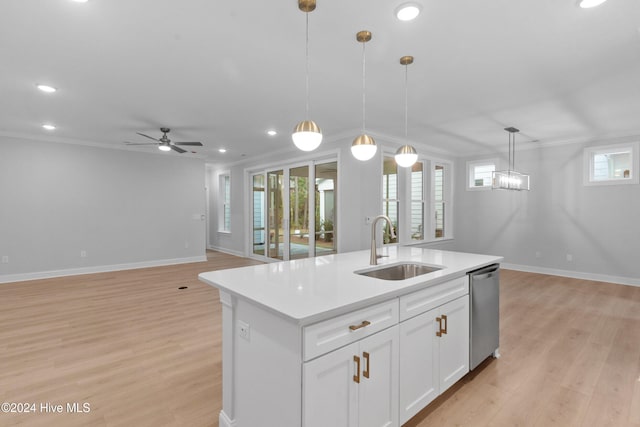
{"type": "Point", "coordinates": [419, 360]}
{"type": "Point", "coordinates": [329, 390]}
{"type": "Point", "coordinates": [378, 388]}
{"type": "Point", "coordinates": [454, 344]}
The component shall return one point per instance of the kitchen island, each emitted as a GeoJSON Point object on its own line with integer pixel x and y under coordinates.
{"type": "Point", "coordinates": [310, 342]}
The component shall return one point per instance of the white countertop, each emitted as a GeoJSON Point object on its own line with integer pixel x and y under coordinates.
{"type": "Point", "coordinates": [311, 289]}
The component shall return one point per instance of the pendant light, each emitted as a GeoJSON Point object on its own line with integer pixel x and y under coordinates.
{"type": "Point", "coordinates": [363, 147]}
{"type": "Point", "coordinates": [510, 179]}
{"type": "Point", "coordinates": [307, 136]}
{"type": "Point", "coordinates": [406, 155]}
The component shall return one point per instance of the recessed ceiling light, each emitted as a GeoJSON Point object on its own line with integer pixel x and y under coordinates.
{"type": "Point", "coordinates": [48, 126]}
{"type": "Point", "coordinates": [80, 1]}
{"type": "Point", "coordinates": [46, 88]}
{"type": "Point", "coordinates": [407, 11]}
{"type": "Point", "coordinates": [272, 132]}
{"type": "Point", "coordinates": [586, 4]}
{"type": "Point", "coordinates": [222, 150]}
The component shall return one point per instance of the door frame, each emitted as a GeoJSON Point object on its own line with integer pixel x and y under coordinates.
{"type": "Point", "coordinates": [263, 170]}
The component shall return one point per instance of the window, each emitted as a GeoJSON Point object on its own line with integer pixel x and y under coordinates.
{"type": "Point", "coordinates": [611, 165]}
{"type": "Point", "coordinates": [225, 205]}
{"type": "Point", "coordinates": [390, 202]}
{"type": "Point", "coordinates": [439, 200]}
{"type": "Point", "coordinates": [417, 201]}
{"type": "Point", "coordinates": [479, 174]}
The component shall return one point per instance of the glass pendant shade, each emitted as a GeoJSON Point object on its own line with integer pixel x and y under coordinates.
{"type": "Point", "coordinates": [510, 180]}
{"type": "Point", "coordinates": [164, 147]}
{"type": "Point", "coordinates": [363, 147]}
{"type": "Point", "coordinates": [307, 136]}
{"type": "Point", "coordinates": [406, 156]}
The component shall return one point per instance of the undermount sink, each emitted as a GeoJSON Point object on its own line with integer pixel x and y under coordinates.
{"type": "Point", "coordinates": [402, 271]}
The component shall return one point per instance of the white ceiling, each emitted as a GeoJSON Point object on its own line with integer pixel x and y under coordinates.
{"type": "Point", "coordinates": [224, 71]}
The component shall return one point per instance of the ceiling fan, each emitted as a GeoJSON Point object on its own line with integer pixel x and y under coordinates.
{"type": "Point", "coordinates": [164, 143]}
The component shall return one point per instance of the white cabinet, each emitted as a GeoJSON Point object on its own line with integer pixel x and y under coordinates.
{"type": "Point", "coordinates": [376, 366]}
{"type": "Point", "coordinates": [356, 385]}
{"type": "Point", "coordinates": [454, 344]}
{"type": "Point", "coordinates": [419, 361]}
{"type": "Point", "coordinates": [434, 354]}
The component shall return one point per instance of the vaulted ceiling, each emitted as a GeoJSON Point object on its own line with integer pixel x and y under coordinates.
{"type": "Point", "coordinates": [224, 71]}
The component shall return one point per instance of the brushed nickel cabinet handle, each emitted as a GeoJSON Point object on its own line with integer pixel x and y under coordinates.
{"type": "Point", "coordinates": [361, 325]}
{"type": "Point", "coordinates": [356, 377]}
{"type": "Point", "coordinates": [367, 370]}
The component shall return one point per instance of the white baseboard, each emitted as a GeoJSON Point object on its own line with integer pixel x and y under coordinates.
{"type": "Point", "coordinates": [225, 421]}
{"type": "Point", "coordinates": [630, 281]}
{"type": "Point", "coordinates": [97, 269]}
{"type": "Point", "coordinates": [227, 251]}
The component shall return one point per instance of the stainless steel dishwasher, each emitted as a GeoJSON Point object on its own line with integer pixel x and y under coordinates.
{"type": "Point", "coordinates": [484, 328]}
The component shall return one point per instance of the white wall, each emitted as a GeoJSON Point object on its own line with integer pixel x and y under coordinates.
{"type": "Point", "coordinates": [597, 225]}
{"type": "Point", "coordinates": [123, 208]}
{"type": "Point", "coordinates": [359, 195]}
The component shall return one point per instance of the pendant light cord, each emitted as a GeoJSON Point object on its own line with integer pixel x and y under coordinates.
{"type": "Point", "coordinates": [510, 165]}
{"type": "Point", "coordinates": [514, 152]}
{"type": "Point", "coordinates": [306, 53]}
{"type": "Point", "coordinates": [364, 87]}
{"type": "Point", "coordinates": [406, 103]}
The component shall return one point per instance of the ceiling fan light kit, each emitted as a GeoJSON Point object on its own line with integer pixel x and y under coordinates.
{"type": "Point", "coordinates": [307, 135]}
{"type": "Point", "coordinates": [364, 146]}
{"type": "Point", "coordinates": [164, 143]}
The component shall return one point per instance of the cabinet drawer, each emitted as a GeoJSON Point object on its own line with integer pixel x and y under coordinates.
{"type": "Point", "coordinates": [330, 334]}
{"type": "Point", "coordinates": [433, 296]}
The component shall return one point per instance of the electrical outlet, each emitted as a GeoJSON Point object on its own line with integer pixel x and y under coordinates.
{"type": "Point", "coordinates": [538, 254]}
{"type": "Point", "coordinates": [83, 254]}
{"type": "Point", "coordinates": [5, 259]}
{"type": "Point", "coordinates": [186, 245]}
{"type": "Point", "coordinates": [368, 220]}
{"type": "Point", "coordinates": [244, 330]}
{"type": "Point", "coordinates": [569, 258]}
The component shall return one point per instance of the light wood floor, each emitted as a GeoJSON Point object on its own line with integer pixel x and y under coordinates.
{"type": "Point", "coordinates": [143, 353]}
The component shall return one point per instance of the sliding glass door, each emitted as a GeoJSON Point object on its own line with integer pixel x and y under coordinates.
{"type": "Point", "coordinates": [294, 213]}
{"type": "Point", "coordinates": [326, 183]}
{"type": "Point", "coordinates": [299, 218]}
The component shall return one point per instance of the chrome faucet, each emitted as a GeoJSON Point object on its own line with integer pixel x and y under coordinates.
{"type": "Point", "coordinates": [374, 255]}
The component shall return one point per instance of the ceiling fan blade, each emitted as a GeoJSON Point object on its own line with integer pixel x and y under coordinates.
{"type": "Point", "coordinates": [178, 149]}
{"type": "Point", "coordinates": [147, 136]}
{"type": "Point", "coordinates": [140, 143]}
{"type": "Point", "coordinates": [198, 144]}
